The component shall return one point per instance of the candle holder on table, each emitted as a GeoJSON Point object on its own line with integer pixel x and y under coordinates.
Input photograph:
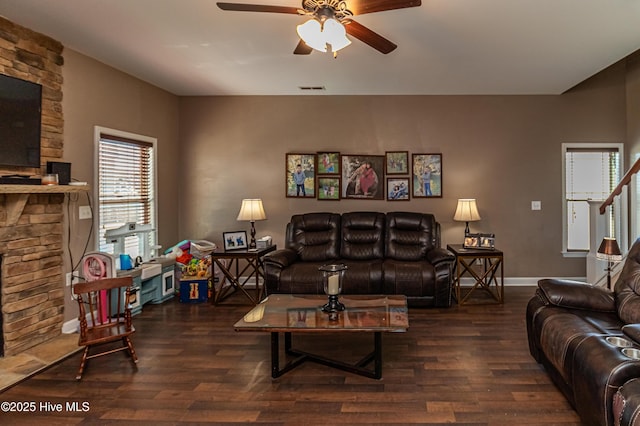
{"type": "Point", "coordinates": [332, 276]}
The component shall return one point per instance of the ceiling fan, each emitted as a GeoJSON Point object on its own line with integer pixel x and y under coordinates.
{"type": "Point", "coordinates": [330, 21]}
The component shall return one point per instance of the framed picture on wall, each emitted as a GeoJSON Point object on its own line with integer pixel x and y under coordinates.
{"type": "Point", "coordinates": [329, 188]}
{"type": "Point", "coordinates": [398, 189]}
{"type": "Point", "coordinates": [397, 162]}
{"type": "Point", "coordinates": [426, 175]}
{"type": "Point", "coordinates": [328, 163]}
{"type": "Point", "coordinates": [300, 175]}
{"type": "Point", "coordinates": [362, 177]}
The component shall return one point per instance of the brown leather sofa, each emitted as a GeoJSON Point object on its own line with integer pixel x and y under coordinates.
{"type": "Point", "coordinates": [392, 253]}
{"type": "Point", "coordinates": [575, 332]}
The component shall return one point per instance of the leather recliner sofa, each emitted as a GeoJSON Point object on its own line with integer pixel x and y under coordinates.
{"type": "Point", "coordinates": [577, 332]}
{"type": "Point", "coordinates": [392, 253]}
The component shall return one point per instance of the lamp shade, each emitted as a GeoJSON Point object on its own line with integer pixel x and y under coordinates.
{"type": "Point", "coordinates": [251, 210]}
{"type": "Point", "coordinates": [609, 250]}
{"type": "Point", "coordinates": [467, 210]}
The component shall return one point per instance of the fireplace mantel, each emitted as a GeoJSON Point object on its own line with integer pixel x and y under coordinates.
{"type": "Point", "coordinates": [16, 196]}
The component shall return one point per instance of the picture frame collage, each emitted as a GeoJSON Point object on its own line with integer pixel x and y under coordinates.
{"type": "Point", "coordinates": [333, 176]}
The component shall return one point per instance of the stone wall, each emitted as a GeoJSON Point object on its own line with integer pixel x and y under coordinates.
{"type": "Point", "coordinates": [37, 58]}
{"type": "Point", "coordinates": [32, 289]}
{"type": "Point", "coordinates": [31, 248]}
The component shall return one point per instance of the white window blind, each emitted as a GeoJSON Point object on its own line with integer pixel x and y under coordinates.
{"type": "Point", "coordinates": [591, 173]}
{"type": "Point", "coordinates": [126, 188]}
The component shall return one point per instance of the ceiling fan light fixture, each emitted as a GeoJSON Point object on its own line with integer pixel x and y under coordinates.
{"type": "Point", "coordinates": [335, 35]}
{"type": "Point", "coordinates": [311, 33]}
{"type": "Point", "coordinates": [318, 35]}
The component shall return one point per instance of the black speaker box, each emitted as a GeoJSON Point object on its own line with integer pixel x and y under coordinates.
{"type": "Point", "coordinates": [63, 170]}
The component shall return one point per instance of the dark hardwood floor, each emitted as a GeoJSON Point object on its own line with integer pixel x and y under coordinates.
{"type": "Point", "coordinates": [464, 365]}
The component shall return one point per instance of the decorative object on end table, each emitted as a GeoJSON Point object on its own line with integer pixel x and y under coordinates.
{"type": "Point", "coordinates": [466, 211]}
{"type": "Point", "coordinates": [251, 210]}
{"type": "Point", "coordinates": [332, 276]}
{"type": "Point", "coordinates": [610, 252]}
{"type": "Point", "coordinates": [479, 241]}
{"type": "Point", "coordinates": [235, 240]}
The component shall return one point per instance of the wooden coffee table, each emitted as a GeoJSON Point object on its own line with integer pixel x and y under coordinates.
{"type": "Point", "coordinates": [289, 314]}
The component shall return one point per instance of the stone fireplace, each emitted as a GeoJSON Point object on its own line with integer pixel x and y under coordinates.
{"type": "Point", "coordinates": [31, 234]}
{"type": "Point", "coordinates": [31, 272]}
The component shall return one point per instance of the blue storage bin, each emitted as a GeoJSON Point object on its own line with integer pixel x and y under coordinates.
{"type": "Point", "coordinates": [194, 290]}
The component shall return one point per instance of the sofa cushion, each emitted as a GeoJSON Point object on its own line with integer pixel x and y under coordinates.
{"type": "Point", "coordinates": [362, 236]}
{"type": "Point", "coordinates": [302, 278]}
{"type": "Point", "coordinates": [409, 235]}
{"type": "Point", "coordinates": [627, 288]}
{"type": "Point", "coordinates": [362, 277]}
{"type": "Point", "coordinates": [315, 236]}
{"type": "Point", "coordinates": [409, 278]}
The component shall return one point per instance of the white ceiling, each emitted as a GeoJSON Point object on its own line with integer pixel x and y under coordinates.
{"type": "Point", "coordinates": [191, 47]}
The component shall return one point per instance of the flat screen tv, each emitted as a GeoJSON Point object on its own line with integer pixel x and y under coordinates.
{"type": "Point", "coordinates": [20, 111]}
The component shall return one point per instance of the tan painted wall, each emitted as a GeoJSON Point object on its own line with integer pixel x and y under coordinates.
{"type": "Point", "coordinates": [503, 150]}
{"type": "Point", "coordinates": [96, 94]}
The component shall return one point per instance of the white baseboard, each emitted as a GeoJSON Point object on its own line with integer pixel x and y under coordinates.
{"type": "Point", "coordinates": [71, 326]}
{"type": "Point", "coordinates": [468, 281]}
{"type": "Point", "coordinates": [519, 281]}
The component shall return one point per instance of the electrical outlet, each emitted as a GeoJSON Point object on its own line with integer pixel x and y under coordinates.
{"type": "Point", "coordinates": [84, 212]}
{"type": "Point", "coordinates": [536, 205]}
{"type": "Point", "coordinates": [72, 278]}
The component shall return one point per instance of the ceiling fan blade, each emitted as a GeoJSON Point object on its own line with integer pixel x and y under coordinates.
{"type": "Point", "coordinates": [373, 39]}
{"type": "Point", "coordinates": [242, 7]}
{"type": "Point", "coordinates": [360, 7]}
{"type": "Point", "coordinates": [302, 48]}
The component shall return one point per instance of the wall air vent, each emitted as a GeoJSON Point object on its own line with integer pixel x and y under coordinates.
{"type": "Point", "coordinates": [312, 88]}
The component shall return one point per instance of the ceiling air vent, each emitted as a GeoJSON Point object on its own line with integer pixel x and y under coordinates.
{"type": "Point", "coordinates": [312, 88]}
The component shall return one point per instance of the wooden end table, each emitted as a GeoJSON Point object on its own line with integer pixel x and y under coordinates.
{"type": "Point", "coordinates": [253, 266]}
{"type": "Point", "coordinates": [489, 277]}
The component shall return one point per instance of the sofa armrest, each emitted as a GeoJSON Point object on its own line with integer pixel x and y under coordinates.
{"type": "Point", "coordinates": [632, 331]}
{"type": "Point", "coordinates": [439, 255]}
{"type": "Point", "coordinates": [576, 295]}
{"type": "Point", "coordinates": [281, 258]}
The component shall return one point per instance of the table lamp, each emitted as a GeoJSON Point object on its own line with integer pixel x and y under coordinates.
{"type": "Point", "coordinates": [610, 252]}
{"type": "Point", "coordinates": [466, 211]}
{"type": "Point", "coordinates": [252, 210]}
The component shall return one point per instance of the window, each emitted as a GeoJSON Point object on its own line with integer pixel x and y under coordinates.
{"type": "Point", "coordinates": [591, 172]}
{"type": "Point", "coordinates": [126, 192]}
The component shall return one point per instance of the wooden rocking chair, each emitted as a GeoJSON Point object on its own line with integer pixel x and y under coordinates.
{"type": "Point", "coordinates": [105, 317]}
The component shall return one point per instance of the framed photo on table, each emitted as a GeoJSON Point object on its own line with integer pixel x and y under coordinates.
{"type": "Point", "coordinates": [426, 175]}
{"type": "Point", "coordinates": [300, 175]}
{"type": "Point", "coordinates": [235, 240]}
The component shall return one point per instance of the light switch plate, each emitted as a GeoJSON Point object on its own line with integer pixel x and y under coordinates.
{"type": "Point", "coordinates": [536, 205]}
{"type": "Point", "coordinates": [84, 212]}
